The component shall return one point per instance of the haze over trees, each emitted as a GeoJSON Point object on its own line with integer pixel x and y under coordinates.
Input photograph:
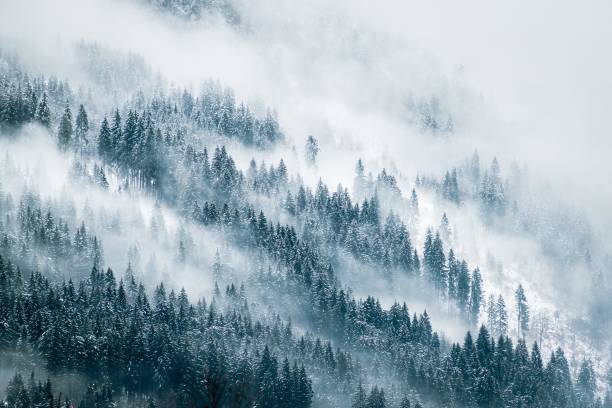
{"type": "Point", "coordinates": [167, 252]}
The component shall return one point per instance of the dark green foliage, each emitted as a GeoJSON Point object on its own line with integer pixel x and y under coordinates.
{"type": "Point", "coordinates": [102, 330]}
{"type": "Point", "coordinates": [38, 395]}
{"type": "Point", "coordinates": [105, 140]}
{"type": "Point", "coordinates": [43, 114]}
{"type": "Point", "coordinates": [434, 263]}
{"type": "Point", "coordinates": [172, 352]}
{"type": "Point", "coordinates": [65, 131]}
{"type": "Point", "coordinates": [81, 126]}
{"type": "Point", "coordinates": [31, 235]}
{"type": "Point", "coordinates": [475, 296]}
{"type": "Point", "coordinates": [25, 99]}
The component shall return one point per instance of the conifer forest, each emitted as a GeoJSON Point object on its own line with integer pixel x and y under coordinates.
{"type": "Point", "coordinates": [267, 204]}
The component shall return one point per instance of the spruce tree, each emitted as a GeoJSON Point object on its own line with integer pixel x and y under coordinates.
{"type": "Point", "coordinates": [117, 136]}
{"type": "Point", "coordinates": [463, 289]}
{"type": "Point", "coordinates": [502, 317]}
{"type": "Point", "coordinates": [475, 296]}
{"type": "Point", "coordinates": [65, 130]}
{"type": "Point", "coordinates": [586, 387]}
{"type": "Point", "coordinates": [312, 149]}
{"type": "Point", "coordinates": [522, 311]}
{"type": "Point", "coordinates": [359, 182]}
{"type": "Point", "coordinates": [81, 126]}
{"type": "Point", "coordinates": [43, 113]}
{"type": "Point", "coordinates": [360, 397]}
{"type": "Point", "coordinates": [105, 140]}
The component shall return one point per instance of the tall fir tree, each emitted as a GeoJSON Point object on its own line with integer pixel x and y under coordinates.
{"type": "Point", "coordinates": [475, 296]}
{"type": "Point", "coordinates": [81, 129]}
{"type": "Point", "coordinates": [65, 131]}
{"type": "Point", "coordinates": [105, 140]}
{"type": "Point", "coordinates": [522, 312]}
{"type": "Point", "coordinates": [43, 113]}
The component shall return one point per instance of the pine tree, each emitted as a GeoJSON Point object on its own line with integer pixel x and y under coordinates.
{"type": "Point", "coordinates": [475, 296]}
{"type": "Point", "coordinates": [502, 317]}
{"type": "Point", "coordinates": [289, 203]}
{"type": "Point", "coordinates": [586, 387]}
{"type": "Point", "coordinates": [475, 167]}
{"type": "Point", "coordinates": [82, 126]}
{"type": "Point", "coordinates": [414, 203]}
{"type": "Point", "coordinates": [117, 136]}
{"type": "Point", "coordinates": [303, 389]}
{"type": "Point", "coordinates": [16, 393]}
{"type": "Point", "coordinates": [65, 130]}
{"type": "Point", "coordinates": [376, 399]}
{"type": "Point", "coordinates": [312, 149]}
{"type": "Point", "coordinates": [453, 275]}
{"type": "Point", "coordinates": [43, 113]}
{"type": "Point", "coordinates": [445, 228]}
{"type": "Point", "coordinates": [105, 140]}
{"type": "Point", "coordinates": [463, 289]}
{"type": "Point", "coordinates": [267, 375]}
{"type": "Point", "coordinates": [360, 397]}
{"type": "Point", "coordinates": [359, 182]}
{"type": "Point", "coordinates": [492, 318]}
{"type": "Point", "coordinates": [182, 252]}
{"type": "Point", "coordinates": [522, 311]}
{"type": "Point", "coordinates": [217, 267]}
{"type": "Point", "coordinates": [129, 141]}
{"type": "Point", "coordinates": [437, 265]}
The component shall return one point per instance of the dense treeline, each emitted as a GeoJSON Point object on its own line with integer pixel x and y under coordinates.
{"type": "Point", "coordinates": [177, 353]}
{"type": "Point", "coordinates": [414, 351]}
{"type": "Point", "coordinates": [214, 109]}
{"type": "Point", "coordinates": [35, 394]}
{"type": "Point", "coordinates": [109, 330]}
{"type": "Point", "coordinates": [196, 9]}
{"type": "Point", "coordinates": [32, 235]}
{"type": "Point", "coordinates": [167, 347]}
{"type": "Point", "coordinates": [411, 349]}
{"type": "Point", "coordinates": [23, 100]}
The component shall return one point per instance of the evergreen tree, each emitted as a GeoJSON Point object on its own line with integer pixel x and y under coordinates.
{"type": "Point", "coordinates": [463, 289]}
{"type": "Point", "coordinates": [522, 311]}
{"type": "Point", "coordinates": [117, 136]}
{"type": "Point", "coordinates": [453, 275]}
{"type": "Point", "coordinates": [376, 399]}
{"type": "Point", "coordinates": [360, 397]}
{"type": "Point", "coordinates": [43, 113]}
{"type": "Point", "coordinates": [475, 296]}
{"type": "Point", "coordinates": [502, 317]}
{"type": "Point", "coordinates": [82, 126]}
{"type": "Point", "coordinates": [65, 130]}
{"type": "Point", "coordinates": [414, 202]}
{"type": "Point", "coordinates": [359, 182]}
{"type": "Point", "coordinates": [586, 388]}
{"type": "Point", "coordinates": [491, 308]}
{"type": "Point", "coordinates": [105, 140]}
{"type": "Point", "coordinates": [312, 149]}
{"type": "Point", "coordinates": [17, 394]}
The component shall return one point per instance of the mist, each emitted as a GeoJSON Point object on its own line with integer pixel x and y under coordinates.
{"type": "Point", "coordinates": [524, 83]}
